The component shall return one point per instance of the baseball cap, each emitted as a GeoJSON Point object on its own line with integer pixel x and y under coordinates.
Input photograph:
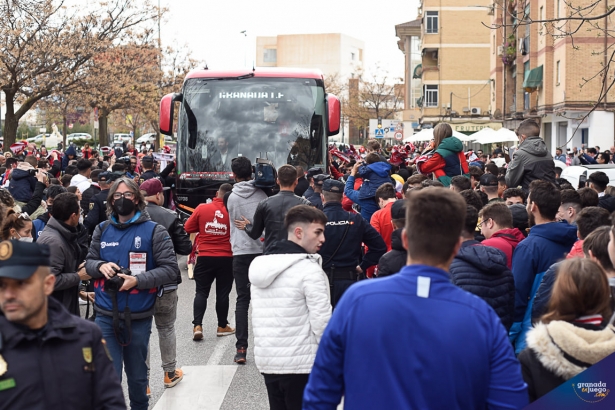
{"type": "Point", "coordinates": [333, 185]}
{"type": "Point", "coordinates": [152, 187]}
{"type": "Point", "coordinates": [320, 179]}
{"type": "Point", "coordinates": [313, 171]}
{"type": "Point", "coordinates": [108, 177]}
{"type": "Point", "coordinates": [398, 209]}
{"type": "Point", "coordinates": [488, 180]}
{"type": "Point", "coordinates": [19, 260]}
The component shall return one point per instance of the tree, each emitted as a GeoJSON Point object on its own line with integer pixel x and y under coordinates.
{"type": "Point", "coordinates": [48, 47]}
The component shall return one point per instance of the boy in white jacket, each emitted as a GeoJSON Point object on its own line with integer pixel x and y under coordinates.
{"type": "Point", "coordinates": [290, 307]}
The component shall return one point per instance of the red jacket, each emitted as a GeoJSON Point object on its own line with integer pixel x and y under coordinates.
{"type": "Point", "coordinates": [381, 221]}
{"type": "Point", "coordinates": [505, 240]}
{"type": "Point", "coordinates": [346, 202]}
{"type": "Point", "coordinates": [576, 251]}
{"type": "Point", "coordinates": [212, 223]}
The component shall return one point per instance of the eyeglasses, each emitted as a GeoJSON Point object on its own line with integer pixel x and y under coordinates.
{"type": "Point", "coordinates": [127, 195]}
{"type": "Point", "coordinates": [480, 224]}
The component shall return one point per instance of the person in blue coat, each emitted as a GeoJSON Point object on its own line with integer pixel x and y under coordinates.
{"type": "Point", "coordinates": [368, 205]}
{"type": "Point", "coordinates": [547, 242]}
{"type": "Point", "coordinates": [69, 155]}
{"type": "Point", "coordinates": [394, 343]}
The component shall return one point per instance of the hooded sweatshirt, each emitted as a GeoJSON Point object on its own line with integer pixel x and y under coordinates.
{"type": "Point", "coordinates": [374, 175]}
{"type": "Point", "coordinates": [290, 308]}
{"type": "Point", "coordinates": [69, 151]}
{"type": "Point", "coordinates": [546, 244]}
{"type": "Point", "coordinates": [22, 184]}
{"type": "Point", "coordinates": [505, 240]}
{"type": "Point", "coordinates": [447, 161]}
{"type": "Point", "coordinates": [482, 270]}
{"type": "Point", "coordinates": [530, 162]}
{"type": "Point", "coordinates": [242, 201]}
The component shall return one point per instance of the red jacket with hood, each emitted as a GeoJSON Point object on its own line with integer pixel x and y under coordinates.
{"type": "Point", "coordinates": [505, 240]}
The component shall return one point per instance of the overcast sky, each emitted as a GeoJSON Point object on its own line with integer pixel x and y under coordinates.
{"type": "Point", "coordinates": [211, 29]}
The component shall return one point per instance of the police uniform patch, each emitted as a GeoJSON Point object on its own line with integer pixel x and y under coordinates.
{"type": "Point", "coordinates": [6, 250]}
{"type": "Point", "coordinates": [87, 354]}
{"type": "Point", "coordinates": [91, 205]}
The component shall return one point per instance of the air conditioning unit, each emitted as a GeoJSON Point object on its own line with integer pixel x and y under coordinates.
{"type": "Point", "coordinates": [465, 109]}
{"type": "Point", "coordinates": [475, 110]}
{"type": "Point", "coordinates": [447, 106]}
{"type": "Point", "coordinates": [500, 50]}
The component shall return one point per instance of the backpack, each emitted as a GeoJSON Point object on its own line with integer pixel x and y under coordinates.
{"type": "Point", "coordinates": [265, 174]}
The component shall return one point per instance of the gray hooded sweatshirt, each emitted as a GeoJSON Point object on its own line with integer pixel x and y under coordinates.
{"type": "Point", "coordinates": [243, 201]}
{"type": "Point", "coordinates": [530, 162]}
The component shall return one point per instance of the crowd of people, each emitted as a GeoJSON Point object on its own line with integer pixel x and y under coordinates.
{"type": "Point", "coordinates": [399, 248]}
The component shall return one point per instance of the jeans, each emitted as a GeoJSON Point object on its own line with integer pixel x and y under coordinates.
{"type": "Point", "coordinates": [241, 266]}
{"type": "Point", "coordinates": [285, 391]}
{"type": "Point", "coordinates": [206, 270]}
{"type": "Point", "coordinates": [132, 357]}
{"type": "Point", "coordinates": [166, 313]}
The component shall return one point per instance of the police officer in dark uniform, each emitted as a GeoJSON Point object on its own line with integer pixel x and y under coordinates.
{"type": "Point", "coordinates": [345, 232]}
{"type": "Point", "coordinates": [312, 172]}
{"type": "Point", "coordinates": [147, 163]}
{"type": "Point", "coordinates": [315, 198]}
{"type": "Point", "coordinates": [98, 203]}
{"type": "Point", "coordinates": [49, 359]}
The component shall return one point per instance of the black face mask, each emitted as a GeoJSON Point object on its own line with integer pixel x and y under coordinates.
{"type": "Point", "coordinates": [123, 206]}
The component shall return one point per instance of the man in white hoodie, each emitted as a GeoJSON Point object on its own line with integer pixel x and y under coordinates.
{"type": "Point", "coordinates": [243, 200]}
{"type": "Point", "coordinates": [290, 307]}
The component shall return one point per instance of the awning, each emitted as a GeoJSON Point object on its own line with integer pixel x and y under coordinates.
{"type": "Point", "coordinates": [418, 71]}
{"type": "Point", "coordinates": [533, 79]}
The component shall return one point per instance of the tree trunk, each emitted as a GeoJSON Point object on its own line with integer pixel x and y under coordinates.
{"type": "Point", "coordinates": [103, 137]}
{"type": "Point", "coordinates": [11, 121]}
{"type": "Point", "coordinates": [64, 128]}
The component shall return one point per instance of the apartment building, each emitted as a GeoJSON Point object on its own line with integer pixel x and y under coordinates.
{"type": "Point", "coordinates": [540, 72]}
{"type": "Point", "coordinates": [455, 67]}
{"type": "Point", "coordinates": [333, 53]}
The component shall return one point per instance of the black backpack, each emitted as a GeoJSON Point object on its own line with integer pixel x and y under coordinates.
{"type": "Point", "coordinates": [265, 174]}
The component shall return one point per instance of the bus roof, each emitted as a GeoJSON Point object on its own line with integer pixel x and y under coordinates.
{"type": "Point", "coordinates": [271, 72]}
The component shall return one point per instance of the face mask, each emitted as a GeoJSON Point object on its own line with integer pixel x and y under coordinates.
{"type": "Point", "coordinates": [123, 206]}
{"type": "Point", "coordinates": [25, 238]}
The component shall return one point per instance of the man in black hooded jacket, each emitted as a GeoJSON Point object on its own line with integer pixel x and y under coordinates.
{"type": "Point", "coordinates": [395, 259]}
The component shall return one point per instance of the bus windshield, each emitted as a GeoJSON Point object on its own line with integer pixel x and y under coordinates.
{"type": "Point", "coordinates": [281, 119]}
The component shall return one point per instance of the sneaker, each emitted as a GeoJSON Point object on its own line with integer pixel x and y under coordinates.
{"type": "Point", "coordinates": [148, 392]}
{"type": "Point", "coordinates": [197, 333]}
{"type": "Point", "coordinates": [172, 378]}
{"type": "Point", "coordinates": [225, 331]}
{"type": "Point", "coordinates": [240, 357]}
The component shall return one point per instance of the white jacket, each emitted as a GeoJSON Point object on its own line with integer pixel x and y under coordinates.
{"type": "Point", "coordinates": [290, 310]}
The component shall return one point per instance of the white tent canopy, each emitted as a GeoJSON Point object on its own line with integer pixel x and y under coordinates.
{"type": "Point", "coordinates": [482, 136]}
{"type": "Point", "coordinates": [427, 135]}
{"type": "Point", "coordinates": [493, 137]}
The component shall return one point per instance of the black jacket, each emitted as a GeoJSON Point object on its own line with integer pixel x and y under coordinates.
{"type": "Point", "coordinates": [41, 363]}
{"type": "Point", "coordinates": [269, 216]}
{"type": "Point", "coordinates": [350, 252]}
{"type": "Point", "coordinates": [86, 197]}
{"type": "Point", "coordinates": [175, 228]}
{"type": "Point", "coordinates": [302, 186]}
{"type": "Point", "coordinates": [395, 259]}
{"type": "Point", "coordinates": [607, 202]}
{"type": "Point", "coordinates": [149, 174]}
{"type": "Point", "coordinates": [98, 210]}
{"type": "Point", "coordinates": [69, 248]}
{"type": "Point", "coordinates": [35, 202]}
{"type": "Point", "coordinates": [482, 270]}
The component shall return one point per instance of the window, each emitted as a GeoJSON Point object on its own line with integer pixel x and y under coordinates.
{"type": "Point", "coordinates": [431, 95]}
{"type": "Point", "coordinates": [432, 22]}
{"type": "Point", "coordinates": [557, 77]}
{"type": "Point", "coordinates": [271, 55]}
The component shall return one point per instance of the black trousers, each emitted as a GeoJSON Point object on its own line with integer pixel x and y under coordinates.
{"type": "Point", "coordinates": [206, 270]}
{"type": "Point", "coordinates": [340, 286]}
{"type": "Point", "coordinates": [241, 266]}
{"type": "Point", "coordinates": [285, 391]}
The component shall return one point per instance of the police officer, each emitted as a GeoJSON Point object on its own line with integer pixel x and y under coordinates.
{"type": "Point", "coordinates": [315, 198]}
{"type": "Point", "coordinates": [98, 204]}
{"type": "Point", "coordinates": [342, 254]}
{"type": "Point", "coordinates": [312, 172]}
{"type": "Point", "coordinates": [147, 163]}
{"type": "Point", "coordinates": [49, 359]}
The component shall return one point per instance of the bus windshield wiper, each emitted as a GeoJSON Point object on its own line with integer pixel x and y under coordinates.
{"type": "Point", "coordinates": [239, 77]}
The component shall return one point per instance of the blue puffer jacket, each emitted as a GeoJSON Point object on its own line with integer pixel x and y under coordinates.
{"type": "Point", "coordinates": [482, 270]}
{"type": "Point", "coordinates": [21, 185]}
{"type": "Point", "coordinates": [373, 175]}
{"type": "Point", "coordinates": [546, 244]}
{"type": "Point", "coordinates": [543, 294]}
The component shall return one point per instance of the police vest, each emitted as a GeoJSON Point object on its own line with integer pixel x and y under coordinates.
{"type": "Point", "coordinates": [116, 246]}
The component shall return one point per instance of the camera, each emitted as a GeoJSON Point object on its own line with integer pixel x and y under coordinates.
{"type": "Point", "coordinates": [33, 172]}
{"type": "Point", "coordinates": [115, 283]}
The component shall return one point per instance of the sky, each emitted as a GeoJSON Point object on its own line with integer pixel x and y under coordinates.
{"type": "Point", "coordinates": [212, 29]}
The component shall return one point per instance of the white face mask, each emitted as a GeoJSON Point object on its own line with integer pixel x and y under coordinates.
{"type": "Point", "coordinates": [25, 238]}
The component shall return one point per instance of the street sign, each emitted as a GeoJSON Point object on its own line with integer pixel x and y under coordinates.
{"type": "Point", "coordinates": [379, 133]}
{"type": "Point", "coordinates": [399, 136]}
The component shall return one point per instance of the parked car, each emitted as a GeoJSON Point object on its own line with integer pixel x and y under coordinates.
{"type": "Point", "coordinates": [37, 138]}
{"type": "Point", "coordinates": [122, 138]}
{"type": "Point", "coordinates": [147, 138]}
{"type": "Point", "coordinates": [579, 173]}
{"type": "Point", "coordinates": [78, 136]}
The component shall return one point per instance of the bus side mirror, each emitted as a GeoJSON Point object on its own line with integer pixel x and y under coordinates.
{"type": "Point", "coordinates": [166, 112]}
{"type": "Point", "coordinates": [334, 110]}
